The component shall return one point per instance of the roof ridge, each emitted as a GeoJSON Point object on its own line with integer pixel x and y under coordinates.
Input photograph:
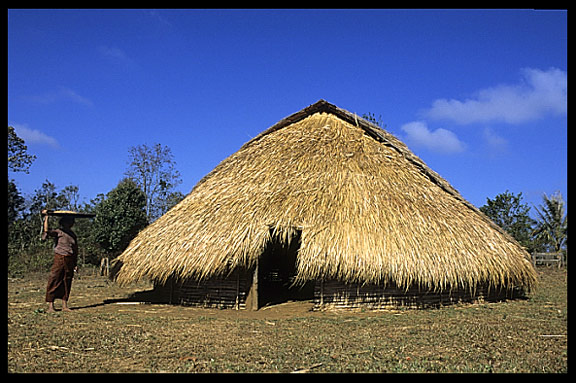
{"type": "Point", "coordinates": [320, 106]}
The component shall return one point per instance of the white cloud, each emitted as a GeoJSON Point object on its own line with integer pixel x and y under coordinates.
{"type": "Point", "coordinates": [34, 136]}
{"type": "Point", "coordinates": [113, 52]}
{"type": "Point", "coordinates": [156, 15]}
{"type": "Point", "coordinates": [540, 93]}
{"type": "Point", "coordinates": [495, 144]}
{"type": "Point", "coordinates": [116, 54]}
{"type": "Point", "coordinates": [63, 94]}
{"type": "Point", "coordinates": [493, 139]}
{"type": "Point", "coordinates": [69, 94]}
{"type": "Point", "coordinates": [439, 140]}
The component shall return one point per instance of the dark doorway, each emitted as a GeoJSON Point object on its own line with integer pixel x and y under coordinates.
{"type": "Point", "coordinates": [276, 272]}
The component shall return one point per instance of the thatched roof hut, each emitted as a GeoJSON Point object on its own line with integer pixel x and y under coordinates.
{"type": "Point", "coordinates": [363, 207]}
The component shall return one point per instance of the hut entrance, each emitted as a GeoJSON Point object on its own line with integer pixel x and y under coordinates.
{"type": "Point", "coordinates": [276, 272]}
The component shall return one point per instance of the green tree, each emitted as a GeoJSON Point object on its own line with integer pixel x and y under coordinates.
{"type": "Point", "coordinates": [70, 194]}
{"type": "Point", "coordinates": [153, 170]}
{"type": "Point", "coordinates": [15, 202]}
{"type": "Point", "coordinates": [45, 198]}
{"type": "Point", "coordinates": [507, 211]}
{"type": "Point", "coordinates": [18, 161]}
{"type": "Point", "coordinates": [119, 217]}
{"type": "Point", "coordinates": [552, 226]}
{"type": "Point", "coordinates": [18, 158]}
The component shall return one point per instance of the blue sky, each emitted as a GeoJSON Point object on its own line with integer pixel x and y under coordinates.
{"type": "Point", "coordinates": [480, 96]}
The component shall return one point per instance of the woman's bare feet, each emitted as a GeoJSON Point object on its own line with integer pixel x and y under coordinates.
{"type": "Point", "coordinates": [65, 306]}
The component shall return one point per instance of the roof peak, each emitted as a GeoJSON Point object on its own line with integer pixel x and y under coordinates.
{"type": "Point", "coordinates": [323, 106]}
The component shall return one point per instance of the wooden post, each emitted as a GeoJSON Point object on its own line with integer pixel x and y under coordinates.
{"type": "Point", "coordinates": [237, 303]}
{"type": "Point", "coordinates": [255, 288]}
{"type": "Point", "coordinates": [105, 266]}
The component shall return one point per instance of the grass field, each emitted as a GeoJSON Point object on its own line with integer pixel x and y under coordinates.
{"type": "Point", "coordinates": [517, 336]}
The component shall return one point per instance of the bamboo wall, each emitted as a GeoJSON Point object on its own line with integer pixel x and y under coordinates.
{"type": "Point", "coordinates": [218, 292]}
{"type": "Point", "coordinates": [338, 295]}
{"type": "Point", "coordinates": [232, 292]}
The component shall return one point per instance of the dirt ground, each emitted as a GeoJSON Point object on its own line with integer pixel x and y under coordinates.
{"type": "Point", "coordinates": [102, 334]}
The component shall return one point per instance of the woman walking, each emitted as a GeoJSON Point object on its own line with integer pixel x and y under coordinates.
{"type": "Point", "coordinates": [65, 259]}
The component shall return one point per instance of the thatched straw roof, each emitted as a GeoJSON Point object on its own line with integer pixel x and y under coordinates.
{"type": "Point", "coordinates": [368, 210]}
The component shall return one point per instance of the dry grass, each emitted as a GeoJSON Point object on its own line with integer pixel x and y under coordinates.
{"type": "Point", "coordinates": [367, 208]}
{"type": "Point", "coordinates": [516, 336]}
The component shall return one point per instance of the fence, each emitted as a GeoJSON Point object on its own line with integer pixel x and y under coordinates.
{"type": "Point", "coordinates": [549, 259]}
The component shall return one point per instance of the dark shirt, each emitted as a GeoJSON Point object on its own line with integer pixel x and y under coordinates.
{"type": "Point", "coordinates": [65, 242]}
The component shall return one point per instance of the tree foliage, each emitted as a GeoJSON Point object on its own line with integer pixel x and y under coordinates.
{"type": "Point", "coordinates": [119, 217]}
{"type": "Point", "coordinates": [153, 170]}
{"type": "Point", "coordinates": [552, 227]}
{"type": "Point", "coordinates": [15, 202]}
{"type": "Point", "coordinates": [548, 233]}
{"type": "Point", "coordinates": [18, 158]}
{"type": "Point", "coordinates": [508, 212]}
